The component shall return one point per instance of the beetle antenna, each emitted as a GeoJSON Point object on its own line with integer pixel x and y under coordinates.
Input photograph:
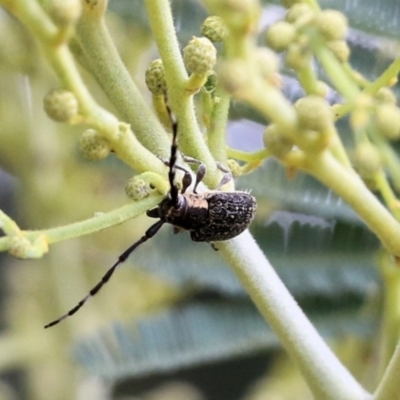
{"type": "Point", "coordinates": [148, 235]}
{"type": "Point", "coordinates": [174, 191]}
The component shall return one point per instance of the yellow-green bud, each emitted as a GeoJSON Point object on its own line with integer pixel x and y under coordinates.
{"type": "Point", "coordinates": [332, 24]}
{"type": "Point", "coordinates": [275, 142]}
{"type": "Point", "coordinates": [367, 160]}
{"type": "Point", "coordinates": [340, 49]}
{"type": "Point", "coordinates": [298, 56]}
{"type": "Point", "coordinates": [63, 12]}
{"type": "Point", "coordinates": [240, 16]}
{"type": "Point", "coordinates": [386, 95]}
{"type": "Point", "coordinates": [361, 114]}
{"type": "Point", "coordinates": [93, 146]}
{"type": "Point", "coordinates": [137, 188]}
{"type": "Point", "coordinates": [298, 11]}
{"type": "Point", "coordinates": [155, 78]}
{"type": "Point", "coordinates": [314, 113]}
{"type": "Point", "coordinates": [199, 55]}
{"type": "Point", "coordinates": [214, 28]}
{"type": "Point", "coordinates": [267, 62]}
{"type": "Point", "coordinates": [388, 121]}
{"type": "Point", "coordinates": [321, 89]}
{"type": "Point", "coordinates": [280, 35]}
{"type": "Point", "coordinates": [61, 105]}
{"type": "Point", "coordinates": [233, 75]}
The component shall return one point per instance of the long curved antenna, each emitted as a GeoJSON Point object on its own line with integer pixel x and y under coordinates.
{"type": "Point", "coordinates": [174, 191]}
{"type": "Point", "coordinates": [148, 235]}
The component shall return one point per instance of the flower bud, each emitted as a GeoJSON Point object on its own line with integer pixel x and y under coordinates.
{"type": "Point", "coordinates": [155, 78]}
{"type": "Point", "coordinates": [214, 29]}
{"type": "Point", "coordinates": [332, 24]}
{"type": "Point", "coordinates": [93, 146]}
{"type": "Point", "coordinates": [137, 188]}
{"type": "Point", "coordinates": [63, 12]}
{"type": "Point", "coordinates": [280, 35]}
{"type": "Point", "coordinates": [275, 142]}
{"type": "Point", "coordinates": [340, 49]}
{"type": "Point", "coordinates": [388, 121]}
{"type": "Point", "coordinates": [61, 105]}
{"type": "Point", "coordinates": [367, 160]}
{"type": "Point", "coordinates": [314, 113]}
{"type": "Point", "coordinates": [199, 55]}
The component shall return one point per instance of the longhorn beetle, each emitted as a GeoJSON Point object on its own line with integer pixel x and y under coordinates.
{"type": "Point", "coordinates": [211, 216]}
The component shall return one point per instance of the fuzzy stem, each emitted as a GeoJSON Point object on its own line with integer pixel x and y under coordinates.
{"type": "Point", "coordinates": [190, 138]}
{"type": "Point", "coordinates": [388, 387]}
{"type": "Point", "coordinates": [327, 378]}
{"type": "Point", "coordinates": [91, 225]}
{"type": "Point", "coordinates": [109, 70]}
{"type": "Point", "coordinates": [217, 129]}
{"type": "Point", "coordinates": [349, 186]}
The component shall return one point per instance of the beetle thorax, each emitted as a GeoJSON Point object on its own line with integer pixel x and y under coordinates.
{"type": "Point", "coordinates": [189, 211]}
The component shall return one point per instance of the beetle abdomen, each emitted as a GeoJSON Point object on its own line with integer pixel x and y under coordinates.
{"type": "Point", "coordinates": [229, 214]}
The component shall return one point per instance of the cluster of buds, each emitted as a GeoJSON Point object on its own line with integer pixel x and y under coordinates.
{"type": "Point", "coordinates": [289, 35]}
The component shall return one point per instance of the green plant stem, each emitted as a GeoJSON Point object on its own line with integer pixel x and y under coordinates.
{"type": "Point", "coordinates": [389, 156]}
{"type": "Point", "coordinates": [91, 225]}
{"type": "Point", "coordinates": [109, 70]}
{"type": "Point", "coordinates": [217, 129]}
{"type": "Point", "coordinates": [349, 186]}
{"type": "Point", "coordinates": [248, 157]}
{"type": "Point", "coordinates": [308, 80]}
{"type": "Point", "coordinates": [390, 273]}
{"type": "Point", "coordinates": [333, 68]}
{"type": "Point", "coordinates": [327, 378]}
{"type": "Point", "coordinates": [387, 193]}
{"type": "Point", "coordinates": [388, 387]}
{"type": "Point", "coordinates": [385, 79]}
{"type": "Point", "coordinates": [190, 138]}
{"type": "Point", "coordinates": [121, 139]}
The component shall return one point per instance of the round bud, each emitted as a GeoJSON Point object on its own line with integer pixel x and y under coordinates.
{"type": "Point", "coordinates": [214, 28]}
{"type": "Point", "coordinates": [388, 121]}
{"type": "Point", "coordinates": [61, 105]}
{"type": "Point", "coordinates": [275, 142]}
{"type": "Point", "coordinates": [298, 11]}
{"type": "Point", "coordinates": [240, 16]}
{"type": "Point", "coordinates": [298, 57]}
{"type": "Point", "coordinates": [314, 113]}
{"type": "Point", "coordinates": [137, 188]}
{"type": "Point", "coordinates": [361, 115]}
{"type": "Point", "coordinates": [199, 55]}
{"type": "Point", "coordinates": [280, 35]}
{"type": "Point", "coordinates": [332, 24]}
{"type": "Point", "coordinates": [93, 146]}
{"type": "Point", "coordinates": [367, 160]}
{"type": "Point", "coordinates": [155, 78]}
{"type": "Point", "coordinates": [62, 12]}
{"type": "Point", "coordinates": [321, 89]}
{"type": "Point", "coordinates": [233, 75]}
{"type": "Point", "coordinates": [340, 49]}
{"type": "Point", "coordinates": [386, 95]}
{"type": "Point", "coordinates": [267, 61]}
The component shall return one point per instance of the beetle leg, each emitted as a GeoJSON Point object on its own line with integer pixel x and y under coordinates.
{"type": "Point", "coordinates": [227, 177]}
{"type": "Point", "coordinates": [187, 177]}
{"type": "Point", "coordinates": [201, 170]}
